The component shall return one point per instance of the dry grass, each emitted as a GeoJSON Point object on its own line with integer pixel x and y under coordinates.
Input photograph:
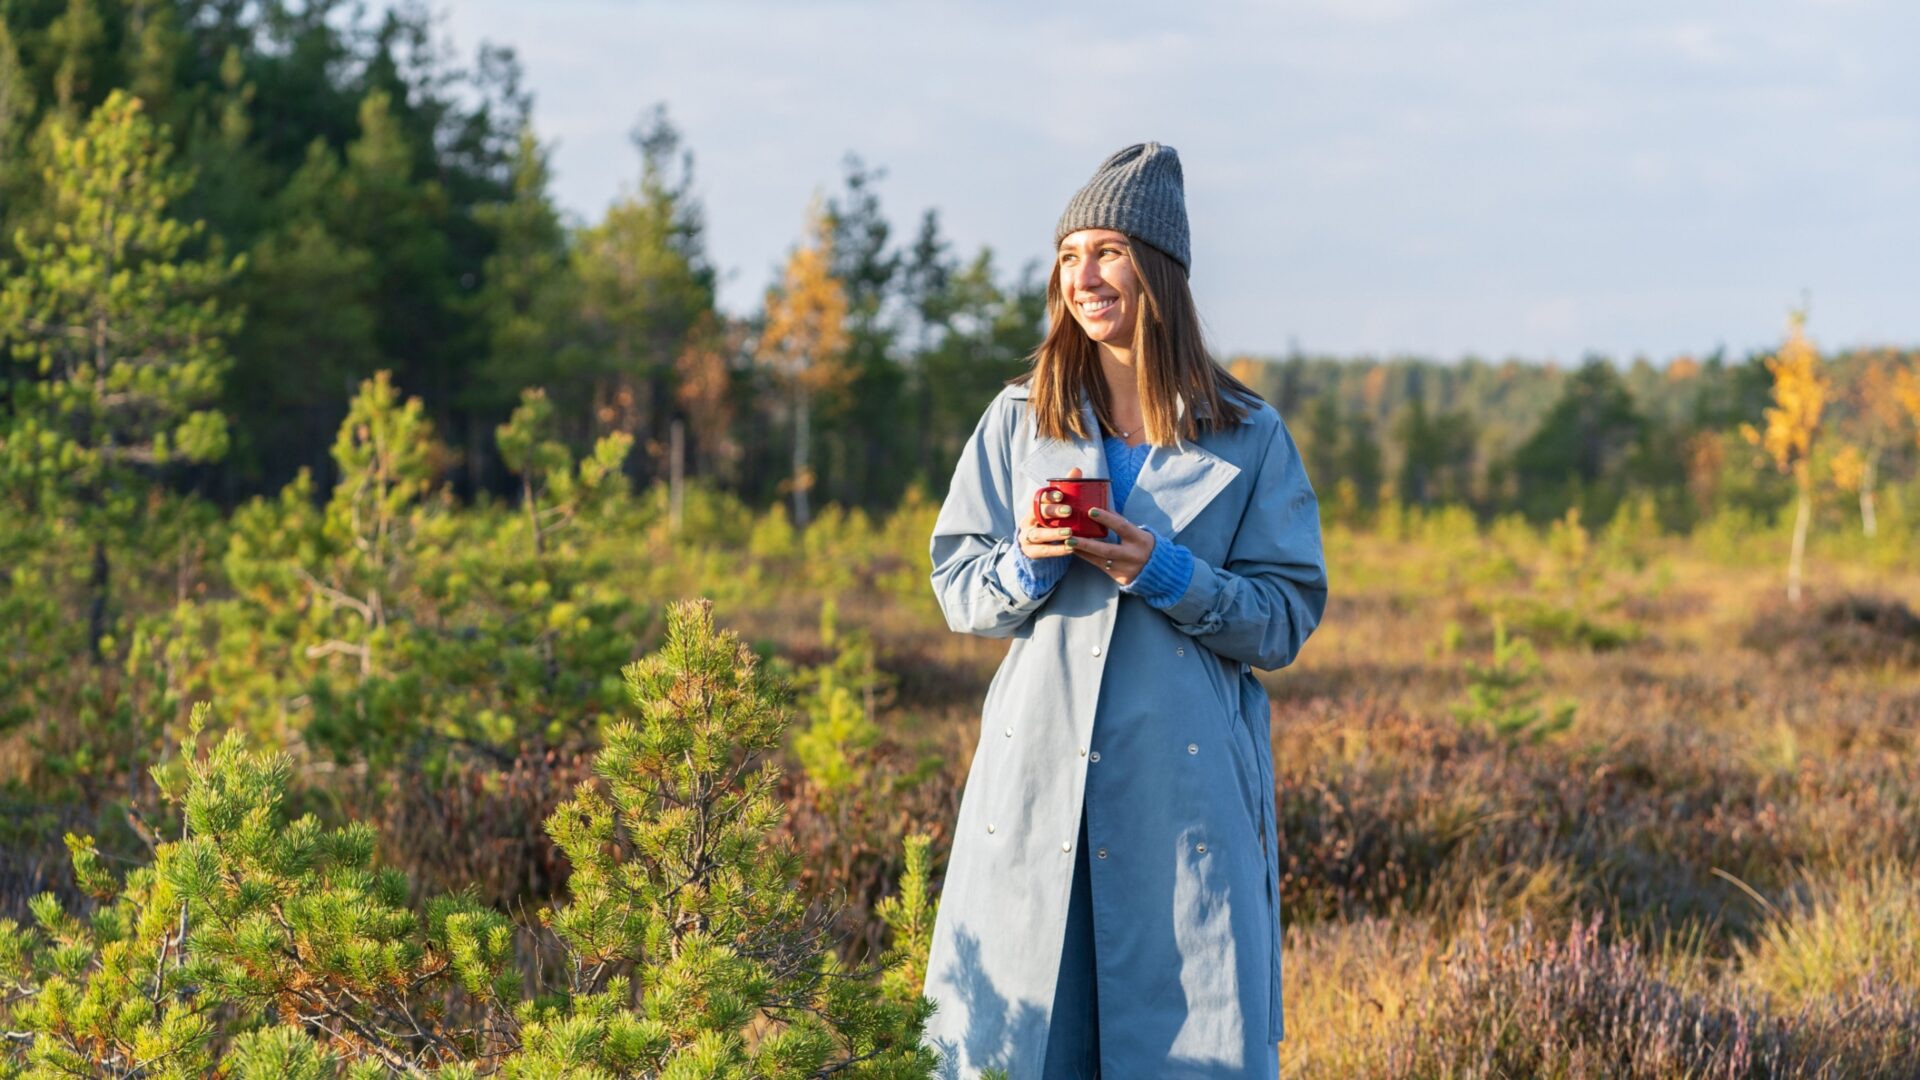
{"type": "Point", "coordinates": [1434, 876]}
{"type": "Point", "coordinates": [1709, 873]}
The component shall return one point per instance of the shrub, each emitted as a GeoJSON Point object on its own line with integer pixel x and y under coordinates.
{"type": "Point", "coordinates": [1512, 1002]}
{"type": "Point", "coordinates": [1500, 698]}
{"type": "Point", "coordinates": [1863, 630]}
{"type": "Point", "coordinates": [279, 948]}
{"type": "Point", "coordinates": [1838, 937]}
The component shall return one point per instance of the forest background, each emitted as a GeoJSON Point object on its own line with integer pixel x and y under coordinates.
{"type": "Point", "coordinates": [314, 407]}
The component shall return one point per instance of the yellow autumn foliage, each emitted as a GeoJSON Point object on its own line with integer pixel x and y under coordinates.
{"type": "Point", "coordinates": [1849, 469]}
{"type": "Point", "coordinates": [1799, 396]}
{"type": "Point", "coordinates": [806, 335]}
{"type": "Point", "coordinates": [1906, 390]}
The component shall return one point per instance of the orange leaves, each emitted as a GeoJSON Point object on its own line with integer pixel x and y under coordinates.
{"type": "Point", "coordinates": [806, 337]}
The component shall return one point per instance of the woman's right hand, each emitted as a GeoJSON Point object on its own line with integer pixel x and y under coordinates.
{"type": "Point", "coordinates": [1041, 540]}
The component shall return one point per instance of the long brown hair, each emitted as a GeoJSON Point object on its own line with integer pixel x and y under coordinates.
{"type": "Point", "coordinates": [1170, 362]}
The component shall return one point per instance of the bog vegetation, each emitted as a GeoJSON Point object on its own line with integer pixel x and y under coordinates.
{"type": "Point", "coordinates": [435, 640]}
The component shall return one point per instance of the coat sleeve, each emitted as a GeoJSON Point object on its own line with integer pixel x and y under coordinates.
{"type": "Point", "coordinates": [1260, 607]}
{"type": "Point", "coordinates": [975, 555]}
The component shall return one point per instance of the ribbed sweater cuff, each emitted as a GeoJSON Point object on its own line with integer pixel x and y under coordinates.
{"type": "Point", "coordinates": [1039, 576]}
{"type": "Point", "coordinates": [1165, 577]}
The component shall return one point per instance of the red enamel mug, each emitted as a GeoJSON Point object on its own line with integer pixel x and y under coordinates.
{"type": "Point", "coordinates": [1079, 494]}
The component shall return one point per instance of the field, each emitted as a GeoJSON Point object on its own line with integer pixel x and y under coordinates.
{"type": "Point", "coordinates": [438, 637]}
{"type": "Point", "coordinates": [1554, 802]}
{"type": "Point", "coordinates": [1708, 872]}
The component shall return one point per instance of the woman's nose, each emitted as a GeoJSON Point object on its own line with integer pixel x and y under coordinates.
{"type": "Point", "coordinates": [1085, 275]}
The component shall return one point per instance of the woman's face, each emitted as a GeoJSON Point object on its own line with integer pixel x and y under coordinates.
{"type": "Point", "coordinates": [1099, 285]}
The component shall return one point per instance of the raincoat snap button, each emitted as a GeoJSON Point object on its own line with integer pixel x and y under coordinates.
{"type": "Point", "coordinates": [1201, 848]}
{"type": "Point", "coordinates": [1180, 652]}
{"type": "Point", "coordinates": [1095, 756]}
{"type": "Point", "coordinates": [1009, 733]}
{"type": "Point", "coordinates": [1066, 845]}
{"type": "Point", "coordinates": [1102, 853]}
{"type": "Point", "coordinates": [989, 826]}
{"type": "Point", "coordinates": [1083, 751]}
{"type": "Point", "coordinates": [1193, 748]}
{"type": "Point", "coordinates": [1096, 650]}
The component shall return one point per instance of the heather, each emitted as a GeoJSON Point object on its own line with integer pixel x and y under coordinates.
{"type": "Point", "coordinates": [436, 640]}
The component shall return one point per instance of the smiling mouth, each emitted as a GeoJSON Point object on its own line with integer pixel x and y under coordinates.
{"type": "Point", "coordinates": [1095, 307]}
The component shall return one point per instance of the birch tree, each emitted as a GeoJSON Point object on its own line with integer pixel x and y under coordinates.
{"type": "Point", "coordinates": [1793, 420]}
{"type": "Point", "coordinates": [1881, 419]}
{"type": "Point", "coordinates": [805, 342]}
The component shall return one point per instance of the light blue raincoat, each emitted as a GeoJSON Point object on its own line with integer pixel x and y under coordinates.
{"type": "Point", "coordinates": [1176, 775]}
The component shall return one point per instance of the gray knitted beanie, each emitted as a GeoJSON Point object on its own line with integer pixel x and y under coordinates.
{"type": "Point", "coordinates": [1138, 191]}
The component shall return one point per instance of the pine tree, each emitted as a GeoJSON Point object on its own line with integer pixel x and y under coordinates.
{"type": "Point", "coordinates": [528, 298]}
{"type": "Point", "coordinates": [1361, 461]}
{"type": "Point", "coordinates": [1436, 455]}
{"type": "Point", "coordinates": [273, 947]}
{"type": "Point", "coordinates": [77, 41]}
{"type": "Point", "coordinates": [1500, 697]}
{"type": "Point", "coordinates": [311, 290]}
{"type": "Point", "coordinates": [644, 284]}
{"type": "Point", "coordinates": [839, 700]}
{"type": "Point", "coordinates": [1581, 446]}
{"type": "Point", "coordinates": [554, 494]}
{"type": "Point", "coordinates": [340, 587]}
{"type": "Point", "coordinates": [861, 443]}
{"type": "Point", "coordinates": [17, 107]}
{"type": "Point", "coordinates": [681, 893]}
{"type": "Point", "coordinates": [250, 917]}
{"type": "Point", "coordinates": [122, 339]}
{"type": "Point", "coordinates": [925, 272]}
{"type": "Point", "coordinates": [1323, 451]}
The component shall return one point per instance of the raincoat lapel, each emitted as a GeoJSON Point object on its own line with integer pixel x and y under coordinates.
{"type": "Point", "coordinates": [1052, 459]}
{"type": "Point", "coordinates": [1175, 484]}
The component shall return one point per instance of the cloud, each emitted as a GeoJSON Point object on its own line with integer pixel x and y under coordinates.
{"type": "Point", "coordinates": [1362, 175]}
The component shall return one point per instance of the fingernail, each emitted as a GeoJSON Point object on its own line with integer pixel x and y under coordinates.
{"type": "Point", "coordinates": [1093, 513]}
{"type": "Point", "coordinates": [1069, 541]}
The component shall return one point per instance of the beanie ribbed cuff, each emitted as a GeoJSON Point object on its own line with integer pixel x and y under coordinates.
{"type": "Point", "coordinates": [1139, 191]}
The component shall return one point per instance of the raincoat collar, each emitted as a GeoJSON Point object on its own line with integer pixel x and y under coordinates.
{"type": "Point", "coordinates": [1175, 482]}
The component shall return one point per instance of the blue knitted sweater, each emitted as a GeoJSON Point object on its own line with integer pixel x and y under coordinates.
{"type": "Point", "coordinates": [1169, 569]}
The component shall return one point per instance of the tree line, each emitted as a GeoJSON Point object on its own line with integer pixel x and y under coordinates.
{"type": "Point", "coordinates": [283, 287]}
{"type": "Point", "coordinates": [351, 200]}
{"type": "Point", "coordinates": [221, 219]}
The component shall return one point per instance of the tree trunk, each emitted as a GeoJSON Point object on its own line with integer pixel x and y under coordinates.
{"type": "Point", "coordinates": [1869, 524]}
{"type": "Point", "coordinates": [1794, 561]}
{"type": "Point", "coordinates": [476, 454]}
{"type": "Point", "coordinates": [97, 604]}
{"type": "Point", "coordinates": [676, 472]}
{"type": "Point", "coordinates": [530, 499]}
{"type": "Point", "coordinates": [925, 405]}
{"type": "Point", "coordinates": [802, 435]}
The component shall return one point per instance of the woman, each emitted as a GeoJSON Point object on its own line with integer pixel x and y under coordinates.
{"type": "Point", "coordinates": [1111, 906]}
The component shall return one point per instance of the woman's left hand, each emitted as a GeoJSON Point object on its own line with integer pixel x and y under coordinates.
{"type": "Point", "coordinates": [1121, 561]}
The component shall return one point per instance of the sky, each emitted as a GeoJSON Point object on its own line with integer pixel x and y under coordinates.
{"type": "Point", "coordinates": [1524, 178]}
